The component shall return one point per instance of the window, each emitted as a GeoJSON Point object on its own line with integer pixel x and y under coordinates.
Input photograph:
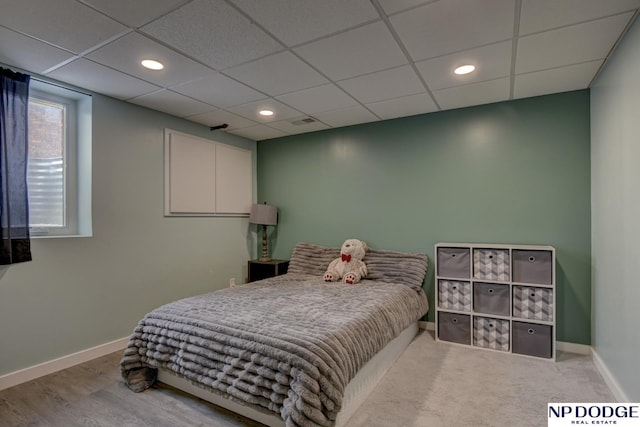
{"type": "Point", "coordinates": [59, 158]}
{"type": "Point", "coordinates": [48, 160]}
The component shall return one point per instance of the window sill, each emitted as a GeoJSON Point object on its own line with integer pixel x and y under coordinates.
{"type": "Point", "coordinates": [61, 236]}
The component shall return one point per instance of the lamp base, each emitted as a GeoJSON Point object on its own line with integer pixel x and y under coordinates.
{"type": "Point", "coordinates": [265, 253]}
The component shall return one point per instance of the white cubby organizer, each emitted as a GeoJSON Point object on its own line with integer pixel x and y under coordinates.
{"type": "Point", "coordinates": [497, 297]}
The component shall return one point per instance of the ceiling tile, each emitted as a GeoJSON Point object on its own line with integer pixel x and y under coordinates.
{"type": "Point", "coordinates": [393, 6]}
{"type": "Point", "coordinates": [405, 106]}
{"type": "Point", "coordinates": [277, 74]}
{"type": "Point", "coordinates": [172, 103]}
{"type": "Point", "coordinates": [64, 23]}
{"type": "Point", "coordinates": [126, 53]}
{"type": "Point", "coordinates": [214, 33]}
{"type": "Point", "coordinates": [289, 127]}
{"type": "Point", "coordinates": [219, 90]}
{"type": "Point", "coordinates": [134, 13]}
{"type": "Point", "coordinates": [299, 21]}
{"type": "Point", "coordinates": [359, 51]}
{"type": "Point", "coordinates": [473, 94]}
{"type": "Point", "coordinates": [250, 110]}
{"type": "Point", "coordinates": [346, 116]}
{"type": "Point", "coordinates": [569, 45]}
{"type": "Point", "coordinates": [29, 54]}
{"type": "Point", "coordinates": [218, 117]}
{"type": "Point", "coordinates": [491, 62]}
{"type": "Point", "coordinates": [541, 15]}
{"type": "Point", "coordinates": [97, 78]}
{"type": "Point", "coordinates": [318, 99]}
{"type": "Point", "coordinates": [342, 62]}
{"type": "Point", "coordinates": [572, 77]}
{"type": "Point", "coordinates": [450, 26]}
{"type": "Point", "coordinates": [258, 133]}
{"type": "Point", "coordinates": [383, 85]}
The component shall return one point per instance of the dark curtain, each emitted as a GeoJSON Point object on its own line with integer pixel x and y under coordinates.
{"type": "Point", "coordinates": [14, 205]}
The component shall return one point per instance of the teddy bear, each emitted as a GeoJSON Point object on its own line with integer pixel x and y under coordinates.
{"type": "Point", "coordinates": [350, 265]}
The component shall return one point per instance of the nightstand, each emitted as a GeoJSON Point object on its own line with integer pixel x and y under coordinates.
{"type": "Point", "coordinates": [259, 270]}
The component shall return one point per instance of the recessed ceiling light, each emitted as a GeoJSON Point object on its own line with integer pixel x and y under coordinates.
{"type": "Point", "coordinates": [464, 69]}
{"type": "Point", "coordinates": [266, 113]}
{"type": "Point", "coordinates": [152, 64]}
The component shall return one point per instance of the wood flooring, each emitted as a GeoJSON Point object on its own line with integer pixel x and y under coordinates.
{"type": "Point", "coordinates": [93, 394]}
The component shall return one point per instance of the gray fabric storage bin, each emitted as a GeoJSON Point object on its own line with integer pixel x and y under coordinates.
{"type": "Point", "coordinates": [454, 295]}
{"type": "Point", "coordinates": [532, 266]}
{"type": "Point", "coordinates": [491, 264]}
{"type": "Point", "coordinates": [491, 298]}
{"type": "Point", "coordinates": [454, 327]}
{"type": "Point", "coordinates": [454, 262]}
{"type": "Point", "coordinates": [530, 302]}
{"type": "Point", "coordinates": [532, 339]}
{"type": "Point", "coordinates": [491, 333]}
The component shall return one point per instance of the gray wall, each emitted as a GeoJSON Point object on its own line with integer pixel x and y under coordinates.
{"type": "Point", "coordinates": [615, 193]}
{"type": "Point", "coordinates": [82, 292]}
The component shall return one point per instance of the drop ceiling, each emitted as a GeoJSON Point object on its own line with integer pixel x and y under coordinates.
{"type": "Point", "coordinates": [338, 62]}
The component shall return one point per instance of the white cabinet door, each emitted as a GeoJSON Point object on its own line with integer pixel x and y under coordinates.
{"type": "Point", "coordinates": [204, 177]}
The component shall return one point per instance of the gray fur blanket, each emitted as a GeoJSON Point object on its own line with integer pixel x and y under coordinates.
{"type": "Point", "coordinates": [288, 345]}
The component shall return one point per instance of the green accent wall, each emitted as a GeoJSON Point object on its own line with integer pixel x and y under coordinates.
{"type": "Point", "coordinates": [512, 172]}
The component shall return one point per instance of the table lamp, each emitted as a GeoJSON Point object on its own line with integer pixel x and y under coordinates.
{"type": "Point", "coordinates": [264, 215]}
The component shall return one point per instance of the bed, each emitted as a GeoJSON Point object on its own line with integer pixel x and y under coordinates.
{"type": "Point", "coordinates": [291, 350]}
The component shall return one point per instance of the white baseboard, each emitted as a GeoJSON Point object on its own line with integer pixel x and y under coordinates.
{"type": "Point", "coordinates": [31, 373]}
{"type": "Point", "coordinates": [429, 326]}
{"type": "Point", "coordinates": [608, 378]}
{"type": "Point", "coordinates": [571, 347]}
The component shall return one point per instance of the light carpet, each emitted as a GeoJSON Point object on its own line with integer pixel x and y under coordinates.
{"type": "Point", "coordinates": [440, 384]}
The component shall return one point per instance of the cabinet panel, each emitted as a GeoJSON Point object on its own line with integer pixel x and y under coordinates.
{"type": "Point", "coordinates": [532, 267]}
{"type": "Point", "coordinates": [491, 333]}
{"type": "Point", "coordinates": [454, 262]}
{"type": "Point", "coordinates": [259, 270]}
{"type": "Point", "coordinates": [491, 298]}
{"type": "Point", "coordinates": [191, 175]}
{"type": "Point", "coordinates": [454, 295]}
{"type": "Point", "coordinates": [234, 181]}
{"type": "Point", "coordinates": [454, 327]}
{"type": "Point", "coordinates": [532, 339]}
{"type": "Point", "coordinates": [491, 264]}
{"type": "Point", "coordinates": [533, 303]}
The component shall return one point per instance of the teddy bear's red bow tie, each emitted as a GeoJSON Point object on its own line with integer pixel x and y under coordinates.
{"type": "Point", "coordinates": [346, 258]}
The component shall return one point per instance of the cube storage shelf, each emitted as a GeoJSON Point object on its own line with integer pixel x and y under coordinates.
{"type": "Point", "coordinates": [497, 297]}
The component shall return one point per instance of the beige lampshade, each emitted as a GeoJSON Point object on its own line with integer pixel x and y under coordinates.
{"type": "Point", "coordinates": [263, 214]}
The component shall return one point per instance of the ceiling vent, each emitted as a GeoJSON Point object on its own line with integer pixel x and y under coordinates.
{"type": "Point", "coordinates": [304, 121]}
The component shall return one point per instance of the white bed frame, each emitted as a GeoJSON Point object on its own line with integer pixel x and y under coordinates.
{"type": "Point", "coordinates": [355, 393]}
